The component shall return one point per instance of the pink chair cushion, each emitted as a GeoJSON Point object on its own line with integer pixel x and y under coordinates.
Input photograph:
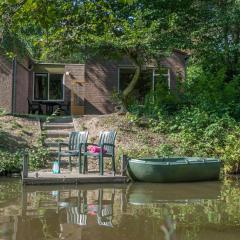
{"type": "Point", "coordinates": [96, 149]}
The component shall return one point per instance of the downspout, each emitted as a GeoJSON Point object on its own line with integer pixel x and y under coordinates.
{"type": "Point", "coordinates": [14, 73]}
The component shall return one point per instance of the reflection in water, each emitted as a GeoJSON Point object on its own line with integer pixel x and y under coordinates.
{"type": "Point", "coordinates": [207, 210]}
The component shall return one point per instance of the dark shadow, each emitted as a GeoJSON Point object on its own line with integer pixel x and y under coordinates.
{"type": "Point", "coordinates": [91, 109]}
{"type": "Point", "coordinates": [11, 143]}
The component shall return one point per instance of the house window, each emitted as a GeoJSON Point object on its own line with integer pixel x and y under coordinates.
{"type": "Point", "coordinates": [143, 86]}
{"type": "Point", "coordinates": [48, 86]}
{"type": "Point", "coordinates": [149, 78]}
{"type": "Point", "coordinates": [125, 76]}
{"type": "Point", "coordinates": [161, 76]}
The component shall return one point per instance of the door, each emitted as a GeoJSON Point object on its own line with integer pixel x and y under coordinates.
{"type": "Point", "coordinates": [77, 101]}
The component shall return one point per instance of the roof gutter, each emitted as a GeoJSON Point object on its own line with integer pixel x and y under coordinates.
{"type": "Point", "coordinates": [14, 73]}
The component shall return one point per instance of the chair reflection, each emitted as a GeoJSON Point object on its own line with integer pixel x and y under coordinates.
{"type": "Point", "coordinates": [76, 217]}
{"type": "Point", "coordinates": [105, 211]}
{"type": "Point", "coordinates": [100, 208]}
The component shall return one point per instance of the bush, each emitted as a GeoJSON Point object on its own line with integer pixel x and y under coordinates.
{"type": "Point", "coordinates": [38, 158]}
{"type": "Point", "coordinates": [2, 112]}
{"type": "Point", "coordinates": [10, 163]}
{"type": "Point", "coordinates": [199, 133]}
{"type": "Point", "coordinates": [230, 153]}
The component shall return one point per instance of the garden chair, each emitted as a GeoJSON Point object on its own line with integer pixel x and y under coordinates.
{"type": "Point", "coordinates": [106, 142]}
{"type": "Point", "coordinates": [77, 141]}
{"type": "Point", "coordinates": [34, 107]}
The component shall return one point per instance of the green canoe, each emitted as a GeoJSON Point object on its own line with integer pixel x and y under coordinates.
{"type": "Point", "coordinates": [176, 169]}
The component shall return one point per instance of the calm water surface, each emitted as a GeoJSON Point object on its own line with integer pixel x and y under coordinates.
{"type": "Point", "coordinates": [208, 210]}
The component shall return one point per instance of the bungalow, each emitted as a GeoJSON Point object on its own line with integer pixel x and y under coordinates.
{"type": "Point", "coordinates": [26, 86]}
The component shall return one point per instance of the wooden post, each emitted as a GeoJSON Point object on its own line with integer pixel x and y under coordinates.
{"type": "Point", "coordinates": [124, 165]}
{"type": "Point", "coordinates": [25, 165]}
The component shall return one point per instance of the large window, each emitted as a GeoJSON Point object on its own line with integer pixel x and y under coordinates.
{"type": "Point", "coordinates": [48, 86]}
{"type": "Point", "coordinates": [149, 80]}
{"type": "Point", "coordinates": [161, 76]}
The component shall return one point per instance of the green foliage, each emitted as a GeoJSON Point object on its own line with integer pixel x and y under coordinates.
{"type": "Point", "coordinates": [230, 153]}
{"type": "Point", "coordinates": [200, 119]}
{"type": "Point", "coordinates": [210, 91]}
{"type": "Point", "coordinates": [10, 162]}
{"type": "Point", "coordinates": [194, 132]}
{"type": "Point", "coordinates": [38, 158]}
{"type": "Point", "coordinates": [2, 112]}
{"type": "Point", "coordinates": [202, 116]}
{"type": "Point", "coordinates": [38, 155]}
{"type": "Point", "coordinates": [165, 150]}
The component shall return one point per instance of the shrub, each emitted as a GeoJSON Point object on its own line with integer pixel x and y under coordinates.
{"type": "Point", "coordinates": [10, 162]}
{"type": "Point", "coordinates": [2, 112]}
{"type": "Point", "coordinates": [230, 153]}
{"type": "Point", "coordinates": [38, 158]}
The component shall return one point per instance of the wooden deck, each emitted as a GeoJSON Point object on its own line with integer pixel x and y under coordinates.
{"type": "Point", "coordinates": [44, 178]}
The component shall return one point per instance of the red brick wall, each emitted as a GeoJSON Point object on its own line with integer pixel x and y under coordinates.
{"type": "Point", "coordinates": [5, 84]}
{"type": "Point", "coordinates": [101, 80]}
{"type": "Point", "coordinates": [76, 73]}
{"type": "Point", "coordinates": [22, 88]}
{"type": "Point", "coordinates": [177, 65]}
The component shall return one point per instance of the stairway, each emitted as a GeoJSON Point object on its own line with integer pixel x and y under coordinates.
{"type": "Point", "coordinates": [57, 131]}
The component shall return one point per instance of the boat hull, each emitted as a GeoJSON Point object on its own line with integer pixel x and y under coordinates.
{"type": "Point", "coordinates": [163, 170]}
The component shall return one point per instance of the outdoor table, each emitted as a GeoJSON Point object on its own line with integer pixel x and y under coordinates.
{"type": "Point", "coordinates": [50, 105]}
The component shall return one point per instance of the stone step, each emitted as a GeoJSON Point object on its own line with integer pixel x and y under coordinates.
{"type": "Point", "coordinates": [65, 119]}
{"type": "Point", "coordinates": [57, 133]}
{"type": "Point", "coordinates": [60, 126]}
{"type": "Point", "coordinates": [54, 154]}
{"type": "Point", "coordinates": [53, 144]}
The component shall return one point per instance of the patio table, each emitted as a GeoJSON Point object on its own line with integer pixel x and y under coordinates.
{"type": "Point", "coordinates": [50, 105]}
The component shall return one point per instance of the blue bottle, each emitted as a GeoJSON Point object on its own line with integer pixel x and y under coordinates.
{"type": "Point", "coordinates": [56, 168]}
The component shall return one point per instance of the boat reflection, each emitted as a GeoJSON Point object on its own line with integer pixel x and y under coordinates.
{"type": "Point", "coordinates": [146, 193]}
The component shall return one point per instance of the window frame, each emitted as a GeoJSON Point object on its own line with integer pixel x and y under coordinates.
{"type": "Point", "coordinates": [48, 100]}
{"type": "Point", "coordinates": [168, 75]}
{"type": "Point", "coordinates": [123, 67]}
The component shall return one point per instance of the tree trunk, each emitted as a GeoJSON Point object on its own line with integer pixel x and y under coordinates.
{"type": "Point", "coordinates": [128, 90]}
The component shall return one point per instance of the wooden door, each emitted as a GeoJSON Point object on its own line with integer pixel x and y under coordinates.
{"type": "Point", "coordinates": [77, 101]}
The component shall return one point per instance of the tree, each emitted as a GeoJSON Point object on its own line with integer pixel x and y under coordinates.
{"type": "Point", "coordinates": [215, 39]}
{"type": "Point", "coordinates": [138, 30]}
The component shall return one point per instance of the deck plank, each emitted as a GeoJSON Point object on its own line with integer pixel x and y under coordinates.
{"type": "Point", "coordinates": [43, 178]}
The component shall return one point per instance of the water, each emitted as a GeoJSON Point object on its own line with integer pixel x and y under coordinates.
{"type": "Point", "coordinates": [208, 210]}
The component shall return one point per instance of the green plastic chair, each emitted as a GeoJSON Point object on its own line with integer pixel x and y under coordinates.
{"type": "Point", "coordinates": [76, 144]}
{"type": "Point", "coordinates": [106, 141]}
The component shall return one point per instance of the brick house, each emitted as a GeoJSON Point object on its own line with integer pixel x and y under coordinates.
{"type": "Point", "coordinates": [84, 88]}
